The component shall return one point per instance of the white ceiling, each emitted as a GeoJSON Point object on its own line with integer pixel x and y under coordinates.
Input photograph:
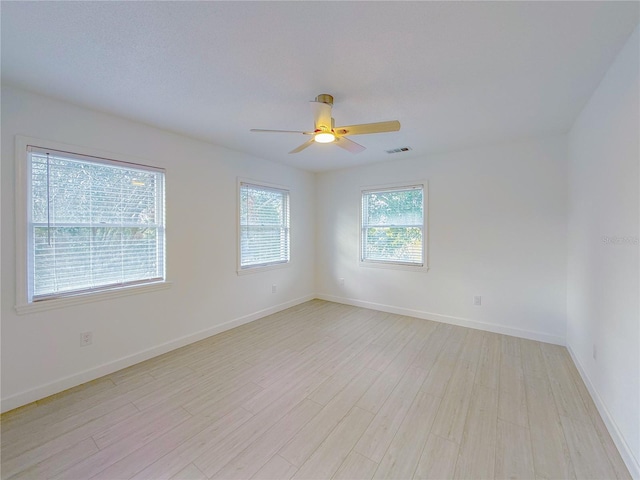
{"type": "Point", "coordinates": [456, 74]}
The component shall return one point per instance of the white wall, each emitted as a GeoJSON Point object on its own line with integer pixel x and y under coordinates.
{"type": "Point", "coordinates": [603, 270]}
{"type": "Point", "coordinates": [40, 351]}
{"type": "Point", "coordinates": [497, 228]}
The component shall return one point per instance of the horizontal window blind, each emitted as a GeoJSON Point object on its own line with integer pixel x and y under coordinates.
{"type": "Point", "coordinates": [93, 224]}
{"type": "Point", "coordinates": [393, 225]}
{"type": "Point", "coordinates": [264, 225]}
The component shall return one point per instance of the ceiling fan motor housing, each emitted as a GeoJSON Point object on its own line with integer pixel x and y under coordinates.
{"type": "Point", "coordinates": [325, 98]}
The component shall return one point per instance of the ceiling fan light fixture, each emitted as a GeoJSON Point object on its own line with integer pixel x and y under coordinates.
{"type": "Point", "coordinates": [325, 130]}
{"type": "Point", "coordinates": [324, 137]}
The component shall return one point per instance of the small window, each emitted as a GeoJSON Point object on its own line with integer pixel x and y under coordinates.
{"type": "Point", "coordinates": [392, 229]}
{"type": "Point", "coordinates": [93, 224]}
{"type": "Point", "coordinates": [264, 226]}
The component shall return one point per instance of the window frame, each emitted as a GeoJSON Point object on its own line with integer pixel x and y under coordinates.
{"type": "Point", "coordinates": [26, 305]}
{"type": "Point", "coordinates": [261, 267]}
{"type": "Point", "coordinates": [413, 267]}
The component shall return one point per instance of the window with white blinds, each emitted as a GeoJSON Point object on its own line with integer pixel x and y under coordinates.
{"type": "Point", "coordinates": [392, 229]}
{"type": "Point", "coordinates": [93, 224]}
{"type": "Point", "coordinates": [264, 226]}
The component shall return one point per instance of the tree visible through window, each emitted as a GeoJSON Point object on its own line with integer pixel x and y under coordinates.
{"type": "Point", "coordinates": [264, 225]}
{"type": "Point", "coordinates": [393, 225]}
{"type": "Point", "coordinates": [93, 224]}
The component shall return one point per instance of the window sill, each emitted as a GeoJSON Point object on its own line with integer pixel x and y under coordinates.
{"type": "Point", "coordinates": [396, 266]}
{"type": "Point", "coordinates": [71, 300]}
{"type": "Point", "coordinates": [263, 268]}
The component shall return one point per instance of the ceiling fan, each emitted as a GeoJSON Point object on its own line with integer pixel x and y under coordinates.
{"type": "Point", "coordinates": [325, 132]}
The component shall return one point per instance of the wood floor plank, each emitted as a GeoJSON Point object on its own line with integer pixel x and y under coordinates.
{"type": "Point", "coordinates": [383, 428]}
{"type": "Point", "coordinates": [187, 451]}
{"type": "Point", "coordinates": [190, 472]}
{"type": "Point", "coordinates": [336, 357]}
{"type": "Point", "coordinates": [356, 350]}
{"type": "Point", "coordinates": [397, 325]}
{"type": "Point", "coordinates": [305, 442]}
{"type": "Point", "coordinates": [315, 355]}
{"type": "Point", "coordinates": [403, 454]}
{"type": "Point", "coordinates": [393, 348]}
{"type": "Point", "coordinates": [131, 374]}
{"type": "Point", "coordinates": [184, 440]}
{"type": "Point", "coordinates": [589, 457]}
{"type": "Point", "coordinates": [510, 345]}
{"type": "Point", "coordinates": [277, 468]}
{"type": "Point", "coordinates": [532, 361]}
{"type": "Point", "coordinates": [35, 455]}
{"type": "Point", "coordinates": [19, 417]}
{"type": "Point", "coordinates": [331, 453]}
{"type": "Point", "coordinates": [422, 330]}
{"type": "Point", "coordinates": [356, 467]}
{"type": "Point", "coordinates": [267, 396]}
{"type": "Point", "coordinates": [219, 454]}
{"type": "Point", "coordinates": [514, 455]}
{"type": "Point", "coordinates": [478, 446]}
{"type": "Point", "coordinates": [222, 401]}
{"type": "Point", "coordinates": [438, 459]}
{"type": "Point", "coordinates": [45, 429]}
{"type": "Point", "coordinates": [512, 407]}
{"type": "Point", "coordinates": [172, 373]}
{"type": "Point", "coordinates": [193, 385]}
{"type": "Point", "coordinates": [512, 402]}
{"type": "Point", "coordinates": [489, 365]}
{"type": "Point", "coordinates": [565, 393]}
{"type": "Point", "coordinates": [550, 452]}
{"type": "Point", "coordinates": [132, 425]}
{"type": "Point", "coordinates": [257, 454]}
{"type": "Point", "coordinates": [440, 374]}
{"type": "Point", "coordinates": [333, 385]}
{"type": "Point", "coordinates": [600, 428]}
{"type": "Point", "coordinates": [450, 420]}
{"type": "Point", "coordinates": [208, 389]}
{"type": "Point", "coordinates": [426, 358]}
{"type": "Point", "coordinates": [377, 394]}
{"type": "Point", "coordinates": [69, 417]}
{"type": "Point", "coordinates": [158, 424]}
{"type": "Point", "coordinates": [54, 464]}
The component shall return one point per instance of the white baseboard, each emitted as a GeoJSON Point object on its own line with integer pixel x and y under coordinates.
{"type": "Point", "coordinates": [463, 322]}
{"type": "Point", "coordinates": [625, 452]}
{"type": "Point", "coordinates": [57, 386]}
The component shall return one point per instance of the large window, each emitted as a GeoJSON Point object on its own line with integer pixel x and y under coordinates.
{"type": "Point", "coordinates": [264, 226]}
{"type": "Point", "coordinates": [93, 224]}
{"type": "Point", "coordinates": [392, 228]}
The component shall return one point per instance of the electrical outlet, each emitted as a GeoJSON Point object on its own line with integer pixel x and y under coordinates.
{"type": "Point", "coordinates": [274, 288]}
{"type": "Point", "coordinates": [341, 282]}
{"type": "Point", "coordinates": [595, 352]}
{"type": "Point", "coordinates": [86, 338]}
{"type": "Point", "coordinates": [477, 300]}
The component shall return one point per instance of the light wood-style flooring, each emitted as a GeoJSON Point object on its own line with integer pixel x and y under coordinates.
{"type": "Point", "coordinates": [322, 391]}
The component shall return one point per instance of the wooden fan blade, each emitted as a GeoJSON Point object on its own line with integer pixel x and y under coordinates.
{"type": "Point", "coordinates": [321, 115]}
{"type": "Point", "coordinates": [379, 127]}
{"type": "Point", "coordinates": [260, 130]}
{"type": "Point", "coordinates": [349, 145]}
{"type": "Point", "coordinates": [303, 146]}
